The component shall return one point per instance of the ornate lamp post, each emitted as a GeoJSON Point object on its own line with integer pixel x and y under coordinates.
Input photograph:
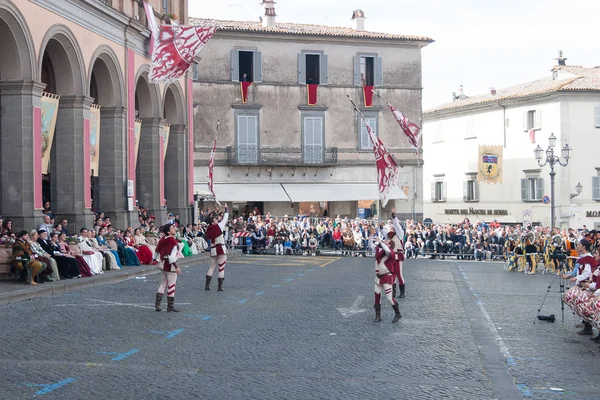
{"type": "Point", "coordinates": [552, 159]}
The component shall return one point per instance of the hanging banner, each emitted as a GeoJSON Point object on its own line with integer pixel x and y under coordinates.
{"type": "Point", "coordinates": [49, 113]}
{"type": "Point", "coordinates": [490, 164]}
{"type": "Point", "coordinates": [165, 135]}
{"type": "Point", "coordinates": [137, 134]}
{"type": "Point", "coordinates": [94, 138]}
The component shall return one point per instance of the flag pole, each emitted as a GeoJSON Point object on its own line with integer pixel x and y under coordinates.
{"type": "Point", "coordinates": [212, 155]}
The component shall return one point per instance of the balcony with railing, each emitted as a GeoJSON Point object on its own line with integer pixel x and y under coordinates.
{"type": "Point", "coordinates": [290, 157]}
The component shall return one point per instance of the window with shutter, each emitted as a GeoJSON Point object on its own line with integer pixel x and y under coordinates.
{"type": "Point", "coordinates": [537, 119]}
{"type": "Point", "coordinates": [466, 191]}
{"type": "Point", "coordinates": [539, 188]}
{"type": "Point", "coordinates": [313, 140]}
{"type": "Point", "coordinates": [235, 66]}
{"type": "Point", "coordinates": [365, 140]}
{"type": "Point", "coordinates": [247, 139]}
{"type": "Point", "coordinates": [597, 116]}
{"type": "Point", "coordinates": [433, 198]}
{"type": "Point", "coordinates": [378, 73]}
{"type": "Point", "coordinates": [475, 191]}
{"type": "Point", "coordinates": [596, 188]}
{"type": "Point", "coordinates": [357, 80]}
{"type": "Point", "coordinates": [323, 70]}
{"type": "Point", "coordinates": [444, 190]}
{"type": "Point", "coordinates": [257, 67]}
{"type": "Point", "coordinates": [302, 69]}
{"type": "Point", "coordinates": [524, 191]}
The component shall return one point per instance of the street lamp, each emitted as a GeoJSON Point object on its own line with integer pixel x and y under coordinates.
{"type": "Point", "coordinates": [578, 189]}
{"type": "Point", "coordinates": [552, 160]}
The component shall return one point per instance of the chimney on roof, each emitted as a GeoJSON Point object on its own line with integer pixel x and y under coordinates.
{"type": "Point", "coordinates": [561, 60]}
{"type": "Point", "coordinates": [461, 95]}
{"type": "Point", "coordinates": [493, 91]}
{"type": "Point", "coordinates": [359, 17]}
{"type": "Point", "coordinates": [270, 15]}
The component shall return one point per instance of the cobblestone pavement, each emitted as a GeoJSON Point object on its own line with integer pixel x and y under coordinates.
{"type": "Point", "coordinates": [299, 328]}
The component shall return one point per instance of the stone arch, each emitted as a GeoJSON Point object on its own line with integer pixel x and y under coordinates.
{"type": "Point", "coordinates": [147, 95]}
{"type": "Point", "coordinates": [16, 47]}
{"type": "Point", "coordinates": [174, 105]}
{"type": "Point", "coordinates": [107, 74]}
{"type": "Point", "coordinates": [60, 47]}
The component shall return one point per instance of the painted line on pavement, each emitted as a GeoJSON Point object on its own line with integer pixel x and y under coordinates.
{"type": "Point", "coordinates": [202, 317]}
{"type": "Point", "coordinates": [49, 387]}
{"type": "Point", "coordinates": [260, 293]}
{"type": "Point", "coordinates": [119, 356]}
{"type": "Point", "coordinates": [169, 335]}
{"type": "Point", "coordinates": [329, 262]}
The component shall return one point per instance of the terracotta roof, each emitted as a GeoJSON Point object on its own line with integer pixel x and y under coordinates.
{"type": "Point", "coordinates": [570, 78]}
{"type": "Point", "coordinates": [301, 29]}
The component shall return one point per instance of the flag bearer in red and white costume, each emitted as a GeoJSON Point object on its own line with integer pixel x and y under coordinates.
{"type": "Point", "coordinates": [218, 252]}
{"type": "Point", "coordinates": [396, 235]}
{"type": "Point", "coordinates": [385, 262]}
{"type": "Point", "coordinates": [166, 250]}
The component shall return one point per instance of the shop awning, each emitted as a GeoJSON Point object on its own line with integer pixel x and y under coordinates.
{"type": "Point", "coordinates": [244, 192]}
{"type": "Point", "coordinates": [300, 192]}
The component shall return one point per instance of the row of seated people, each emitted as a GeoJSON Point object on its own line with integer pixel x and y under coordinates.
{"type": "Point", "coordinates": [456, 246]}
{"type": "Point", "coordinates": [39, 256]}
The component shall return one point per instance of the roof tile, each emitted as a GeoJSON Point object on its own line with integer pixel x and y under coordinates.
{"type": "Point", "coordinates": [302, 29]}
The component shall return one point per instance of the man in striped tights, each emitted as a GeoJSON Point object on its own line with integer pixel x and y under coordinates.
{"type": "Point", "coordinates": [218, 252]}
{"type": "Point", "coordinates": [385, 261]}
{"type": "Point", "coordinates": [166, 251]}
{"type": "Point", "coordinates": [396, 235]}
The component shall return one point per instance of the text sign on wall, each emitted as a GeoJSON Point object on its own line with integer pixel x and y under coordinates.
{"type": "Point", "coordinates": [473, 211]}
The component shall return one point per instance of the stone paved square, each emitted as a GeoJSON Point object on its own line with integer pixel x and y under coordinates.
{"type": "Point", "coordinates": [300, 328]}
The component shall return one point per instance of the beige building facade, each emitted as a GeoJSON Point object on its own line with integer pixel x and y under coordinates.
{"type": "Point", "coordinates": [280, 154]}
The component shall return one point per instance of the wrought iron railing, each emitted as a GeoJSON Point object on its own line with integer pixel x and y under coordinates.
{"type": "Point", "coordinates": [252, 155]}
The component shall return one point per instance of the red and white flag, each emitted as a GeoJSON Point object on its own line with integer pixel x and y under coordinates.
{"type": "Point", "coordinates": [410, 129]}
{"type": "Point", "coordinates": [387, 168]}
{"type": "Point", "coordinates": [211, 167]}
{"type": "Point", "coordinates": [174, 47]}
{"type": "Point", "coordinates": [532, 135]}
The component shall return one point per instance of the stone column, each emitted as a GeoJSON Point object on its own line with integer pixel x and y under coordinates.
{"type": "Point", "coordinates": [112, 173]}
{"type": "Point", "coordinates": [148, 169]}
{"type": "Point", "coordinates": [68, 174]}
{"type": "Point", "coordinates": [176, 172]}
{"type": "Point", "coordinates": [17, 102]}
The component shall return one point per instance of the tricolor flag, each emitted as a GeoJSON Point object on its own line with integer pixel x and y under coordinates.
{"type": "Point", "coordinates": [387, 168]}
{"type": "Point", "coordinates": [173, 47]}
{"type": "Point", "coordinates": [532, 135]}
{"type": "Point", "coordinates": [410, 129]}
{"type": "Point", "coordinates": [211, 166]}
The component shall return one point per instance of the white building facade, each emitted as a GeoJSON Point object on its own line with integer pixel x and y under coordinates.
{"type": "Point", "coordinates": [566, 104]}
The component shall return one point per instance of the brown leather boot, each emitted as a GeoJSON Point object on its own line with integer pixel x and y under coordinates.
{"type": "Point", "coordinates": [377, 313]}
{"type": "Point", "coordinates": [159, 297]}
{"type": "Point", "coordinates": [207, 285]}
{"type": "Point", "coordinates": [171, 304]}
{"type": "Point", "coordinates": [398, 315]}
{"type": "Point", "coordinates": [220, 288]}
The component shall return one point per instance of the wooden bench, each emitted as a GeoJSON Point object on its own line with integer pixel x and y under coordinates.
{"type": "Point", "coordinates": [5, 260]}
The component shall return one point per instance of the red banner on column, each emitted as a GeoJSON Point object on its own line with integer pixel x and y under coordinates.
{"type": "Point", "coordinates": [368, 95]}
{"type": "Point", "coordinates": [311, 89]}
{"type": "Point", "coordinates": [244, 88]}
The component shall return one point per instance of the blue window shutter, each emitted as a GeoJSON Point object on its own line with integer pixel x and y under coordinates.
{"type": "Point", "coordinates": [257, 73]}
{"type": "Point", "coordinates": [524, 196]}
{"type": "Point", "coordinates": [378, 71]}
{"type": "Point", "coordinates": [596, 188]}
{"type": "Point", "coordinates": [323, 70]}
{"type": "Point", "coordinates": [302, 69]}
{"type": "Point", "coordinates": [235, 66]}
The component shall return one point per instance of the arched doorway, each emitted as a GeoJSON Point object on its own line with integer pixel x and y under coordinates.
{"type": "Point", "coordinates": [61, 69]}
{"type": "Point", "coordinates": [176, 155]}
{"type": "Point", "coordinates": [19, 94]}
{"type": "Point", "coordinates": [147, 166]}
{"type": "Point", "coordinates": [108, 138]}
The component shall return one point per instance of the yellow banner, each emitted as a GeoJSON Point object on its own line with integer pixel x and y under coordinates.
{"type": "Point", "coordinates": [49, 113]}
{"type": "Point", "coordinates": [94, 138]}
{"type": "Point", "coordinates": [166, 131]}
{"type": "Point", "coordinates": [137, 133]}
{"type": "Point", "coordinates": [489, 164]}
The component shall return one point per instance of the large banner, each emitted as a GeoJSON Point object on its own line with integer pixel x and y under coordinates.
{"type": "Point", "coordinates": [166, 131]}
{"type": "Point", "coordinates": [94, 138]}
{"type": "Point", "coordinates": [137, 133]}
{"type": "Point", "coordinates": [490, 164]}
{"type": "Point", "coordinates": [49, 113]}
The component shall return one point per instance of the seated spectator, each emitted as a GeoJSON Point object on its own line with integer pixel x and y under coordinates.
{"type": "Point", "coordinates": [24, 263]}
{"type": "Point", "coordinates": [7, 228]}
{"type": "Point", "coordinates": [337, 239]}
{"type": "Point", "coordinates": [102, 242]}
{"type": "Point", "coordinates": [67, 265]}
{"type": "Point", "coordinates": [144, 249]}
{"type": "Point", "coordinates": [312, 245]}
{"type": "Point", "coordinates": [287, 247]}
{"type": "Point", "coordinates": [110, 260]}
{"type": "Point", "coordinates": [64, 227]}
{"type": "Point", "coordinates": [42, 256]}
{"type": "Point", "coordinates": [304, 244]}
{"type": "Point", "coordinates": [92, 257]}
{"type": "Point", "coordinates": [65, 249]}
{"type": "Point", "coordinates": [125, 248]}
{"type": "Point", "coordinates": [47, 225]}
{"type": "Point", "coordinates": [479, 251]}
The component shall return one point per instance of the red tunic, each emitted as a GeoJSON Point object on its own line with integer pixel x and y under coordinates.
{"type": "Point", "coordinates": [390, 264]}
{"type": "Point", "coordinates": [165, 248]}
{"type": "Point", "coordinates": [215, 235]}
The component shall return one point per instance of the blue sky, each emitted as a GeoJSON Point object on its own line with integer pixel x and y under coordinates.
{"type": "Point", "coordinates": [479, 43]}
